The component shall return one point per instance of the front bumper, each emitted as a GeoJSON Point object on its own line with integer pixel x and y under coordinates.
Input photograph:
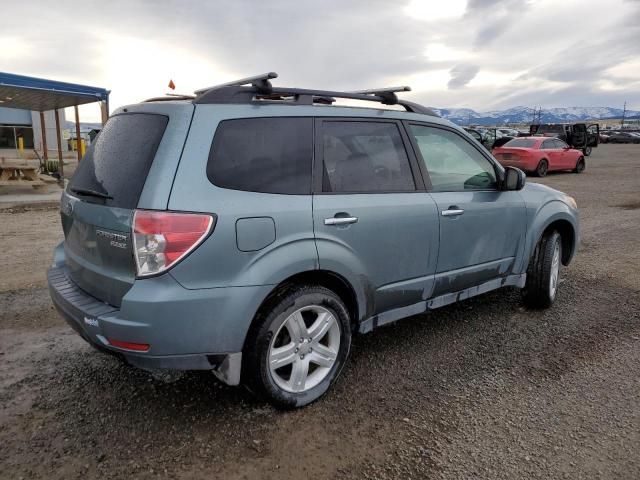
{"type": "Point", "coordinates": [174, 321]}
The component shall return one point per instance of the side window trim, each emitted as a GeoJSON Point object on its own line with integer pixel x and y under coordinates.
{"type": "Point", "coordinates": [318, 155]}
{"type": "Point", "coordinates": [497, 168]}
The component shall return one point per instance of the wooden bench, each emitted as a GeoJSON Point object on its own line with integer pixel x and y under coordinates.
{"type": "Point", "coordinates": [15, 174]}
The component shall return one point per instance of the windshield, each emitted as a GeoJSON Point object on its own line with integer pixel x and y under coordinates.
{"type": "Point", "coordinates": [550, 129]}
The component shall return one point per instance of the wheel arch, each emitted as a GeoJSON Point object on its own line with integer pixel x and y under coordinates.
{"type": "Point", "coordinates": [567, 233]}
{"type": "Point", "coordinates": [553, 215]}
{"type": "Point", "coordinates": [324, 278]}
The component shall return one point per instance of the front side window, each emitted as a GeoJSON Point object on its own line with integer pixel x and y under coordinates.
{"type": "Point", "coordinates": [454, 165]}
{"type": "Point", "coordinates": [364, 157]}
{"type": "Point", "coordinates": [268, 155]}
{"type": "Point", "coordinates": [548, 145]}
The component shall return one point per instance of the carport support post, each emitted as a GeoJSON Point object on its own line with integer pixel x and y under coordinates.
{"type": "Point", "coordinates": [60, 162]}
{"type": "Point", "coordinates": [44, 137]}
{"type": "Point", "coordinates": [78, 141]}
{"type": "Point", "coordinates": [104, 110]}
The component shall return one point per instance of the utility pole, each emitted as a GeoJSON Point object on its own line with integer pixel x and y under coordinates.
{"type": "Point", "coordinates": [624, 111]}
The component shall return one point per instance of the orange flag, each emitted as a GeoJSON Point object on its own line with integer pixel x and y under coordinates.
{"type": "Point", "coordinates": [172, 85]}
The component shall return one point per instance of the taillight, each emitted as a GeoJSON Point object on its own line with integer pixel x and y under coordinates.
{"type": "Point", "coordinates": [138, 347]}
{"type": "Point", "coordinates": [162, 239]}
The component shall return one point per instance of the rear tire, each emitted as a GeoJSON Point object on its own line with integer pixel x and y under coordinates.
{"type": "Point", "coordinates": [580, 166]}
{"type": "Point", "coordinates": [543, 273]}
{"type": "Point", "coordinates": [543, 168]}
{"type": "Point", "coordinates": [297, 347]}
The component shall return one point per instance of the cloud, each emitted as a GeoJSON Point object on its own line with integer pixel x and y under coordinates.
{"type": "Point", "coordinates": [534, 49]}
{"type": "Point", "coordinates": [497, 16]}
{"type": "Point", "coordinates": [461, 75]}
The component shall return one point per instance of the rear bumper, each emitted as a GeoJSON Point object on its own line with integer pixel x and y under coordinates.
{"type": "Point", "coordinates": [186, 329]}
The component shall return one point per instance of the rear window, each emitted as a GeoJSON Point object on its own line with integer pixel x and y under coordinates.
{"type": "Point", "coordinates": [118, 161]}
{"type": "Point", "coordinates": [268, 155]}
{"type": "Point", "coordinates": [520, 143]}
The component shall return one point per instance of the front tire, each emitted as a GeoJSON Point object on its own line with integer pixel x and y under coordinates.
{"type": "Point", "coordinates": [580, 166]}
{"type": "Point", "coordinates": [297, 347]}
{"type": "Point", "coordinates": [543, 273]}
{"type": "Point", "coordinates": [543, 168]}
{"type": "Point", "coordinates": [587, 151]}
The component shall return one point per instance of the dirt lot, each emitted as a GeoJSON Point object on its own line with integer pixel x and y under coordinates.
{"type": "Point", "coordinates": [482, 389]}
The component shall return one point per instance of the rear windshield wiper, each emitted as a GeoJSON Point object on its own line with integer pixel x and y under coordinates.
{"type": "Point", "coordinates": [91, 193]}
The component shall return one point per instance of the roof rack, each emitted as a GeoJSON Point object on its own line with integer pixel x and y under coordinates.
{"type": "Point", "coordinates": [261, 90]}
{"type": "Point", "coordinates": [261, 82]}
{"type": "Point", "coordinates": [388, 93]}
{"type": "Point", "coordinates": [170, 97]}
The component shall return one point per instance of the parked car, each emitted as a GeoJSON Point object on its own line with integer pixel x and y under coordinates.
{"type": "Point", "coordinates": [578, 135]}
{"type": "Point", "coordinates": [623, 137]}
{"type": "Point", "coordinates": [509, 132]}
{"type": "Point", "coordinates": [540, 155]}
{"type": "Point", "coordinates": [248, 231]}
{"type": "Point", "coordinates": [604, 136]}
{"type": "Point", "coordinates": [496, 137]}
{"type": "Point", "coordinates": [489, 137]}
{"type": "Point", "coordinates": [476, 135]}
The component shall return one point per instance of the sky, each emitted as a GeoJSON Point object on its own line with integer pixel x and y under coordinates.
{"type": "Point", "coordinates": [479, 54]}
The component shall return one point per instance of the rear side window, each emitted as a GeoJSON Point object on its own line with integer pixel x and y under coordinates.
{"type": "Point", "coordinates": [118, 161]}
{"type": "Point", "coordinates": [268, 155]}
{"type": "Point", "coordinates": [364, 157]}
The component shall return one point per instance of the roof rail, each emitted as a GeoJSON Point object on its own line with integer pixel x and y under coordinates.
{"type": "Point", "coordinates": [261, 82]}
{"type": "Point", "coordinates": [262, 91]}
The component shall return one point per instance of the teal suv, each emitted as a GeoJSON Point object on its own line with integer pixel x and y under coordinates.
{"type": "Point", "coordinates": [252, 230]}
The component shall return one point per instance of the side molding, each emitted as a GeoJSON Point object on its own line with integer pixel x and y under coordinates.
{"type": "Point", "coordinates": [421, 307]}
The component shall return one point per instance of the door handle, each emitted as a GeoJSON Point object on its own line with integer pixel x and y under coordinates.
{"type": "Point", "coordinates": [452, 212]}
{"type": "Point", "coordinates": [340, 220]}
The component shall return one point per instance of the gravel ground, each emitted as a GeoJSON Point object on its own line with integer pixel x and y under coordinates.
{"type": "Point", "coordinates": [481, 389]}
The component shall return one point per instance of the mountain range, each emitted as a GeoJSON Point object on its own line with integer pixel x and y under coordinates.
{"type": "Point", "coordinates": [515, 115]}
{"type": "Point", "coordinates": [467, 116]}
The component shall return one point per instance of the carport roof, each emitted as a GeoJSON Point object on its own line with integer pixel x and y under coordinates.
{"type": "Point", "coordinates": [39, 94]}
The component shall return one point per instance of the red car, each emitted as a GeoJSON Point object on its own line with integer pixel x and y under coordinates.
{"type": "Point", "coordinates": [540, 155]}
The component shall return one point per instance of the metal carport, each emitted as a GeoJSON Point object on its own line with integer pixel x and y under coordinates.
{"type": "Point", "coordinates": [41, 95]}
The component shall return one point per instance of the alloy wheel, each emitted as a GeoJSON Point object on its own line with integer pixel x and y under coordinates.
{"type": "Point", "coordinates": [555, 271]}
{"type": "Point", "coordinates": [304, 349]}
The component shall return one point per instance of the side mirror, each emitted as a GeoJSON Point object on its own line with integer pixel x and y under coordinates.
{"type": "Point", "coordinates": [514, 178]}
{"type": "Point", "coordinates": [568, 147]}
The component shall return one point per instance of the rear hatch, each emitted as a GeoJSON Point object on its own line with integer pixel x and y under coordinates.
{"type": "Point", "coordinates": [109, 184]}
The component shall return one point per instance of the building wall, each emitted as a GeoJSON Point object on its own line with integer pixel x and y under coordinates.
{"type": "Point", "coordinates": [13, 116]}
{"type": "Point", "coordinates": [50, 126]}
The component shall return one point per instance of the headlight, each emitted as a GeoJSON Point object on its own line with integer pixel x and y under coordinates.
{"type": "Point", "coordinates": [571, 201]}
